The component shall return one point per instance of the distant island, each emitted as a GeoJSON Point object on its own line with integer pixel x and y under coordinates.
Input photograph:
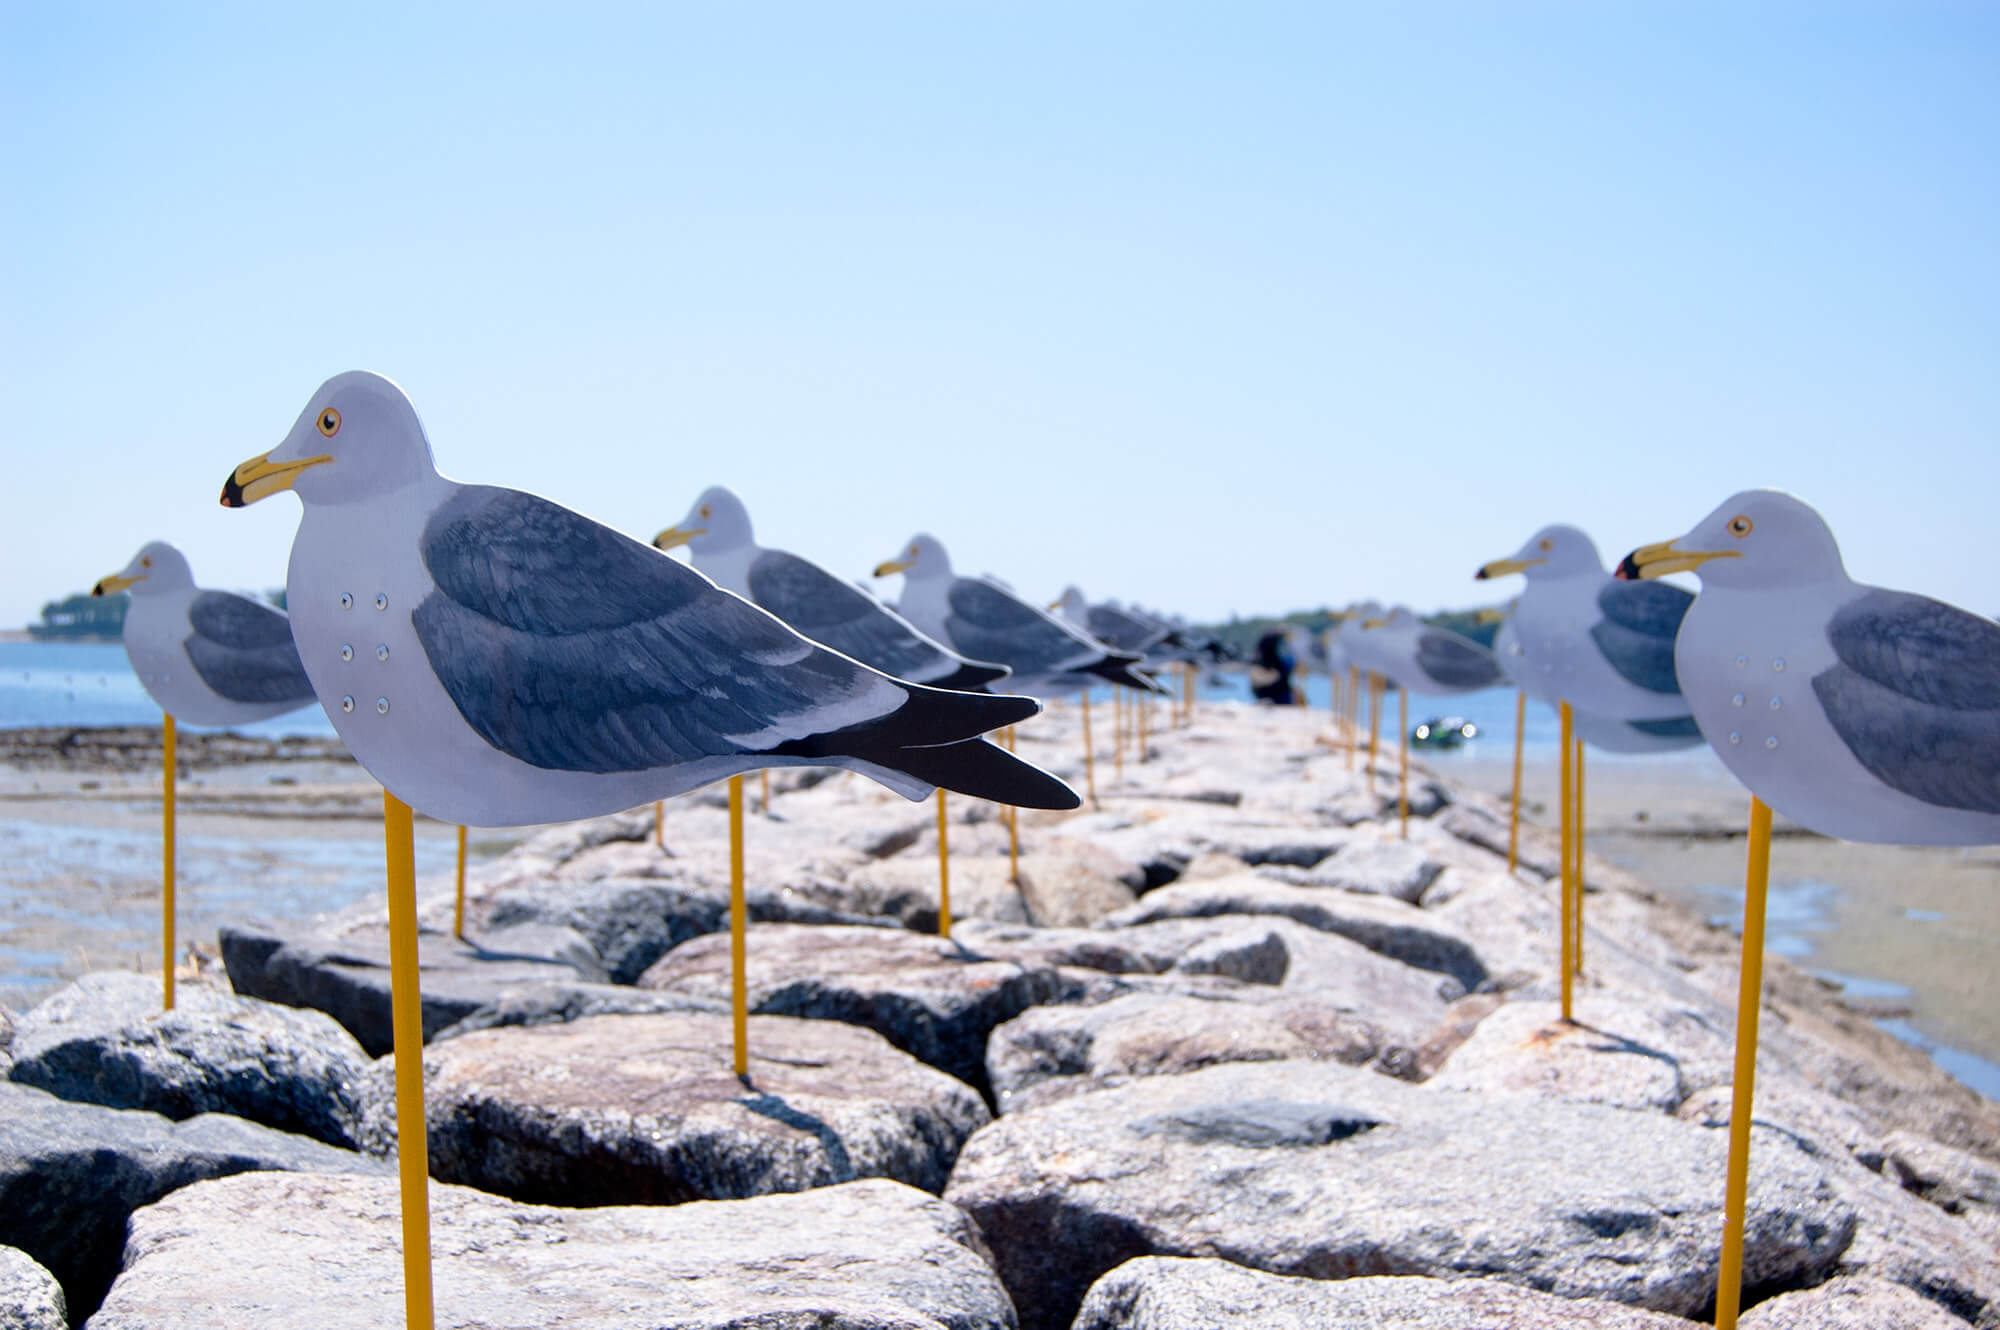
{"type": "Point", "coordinates": [1242, 634]}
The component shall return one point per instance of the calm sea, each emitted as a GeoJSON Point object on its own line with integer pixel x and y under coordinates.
{"type": "Point", "coordinates": [90, 683]}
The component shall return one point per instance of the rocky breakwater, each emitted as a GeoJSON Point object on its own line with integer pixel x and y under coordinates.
{"type": "Point", "coordinates": [1229, 1051]}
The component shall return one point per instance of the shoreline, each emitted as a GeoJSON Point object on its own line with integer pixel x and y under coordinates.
{"type": "Point", "coordinates": [1922, 921]}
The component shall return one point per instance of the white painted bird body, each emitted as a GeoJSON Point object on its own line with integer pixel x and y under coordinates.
{"type": "Point", "coordinates": [1895, 739]}
{"type": "Point", "coordinates": [160, 635]}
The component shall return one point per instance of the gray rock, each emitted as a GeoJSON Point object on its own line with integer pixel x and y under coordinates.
{"type": "Point", "coordinates": [647, 1110]}
{"type": "Point", "coordinates": [554, 1003]}
{"type": "Point", "coordinates": [1538, 850]}
{"type": "Point", "coordinates": [71, 1173]}
{"type": "Point", "coordinates": [1167, 1293]}
{"type": "Point", "coordinates": [1246, 949]}
{"type": "Point", "coordinates": [1049, 1053]}
{"type": "Point", "coordinates": [1404, 1000]}
{"type": "Point", "coordinates": [297, 1252]}
{"type": "Point", "coordinates": [930, 997]}
{"type": "Point", "coordinates": [1619, 1052]}
{"type": "Point", "coordinates": [104, 1040]}
{"type": "Point", "coordinates": [30, 1298]}
{"type": "Point", "coordinates": [629, 922]}
{"type": "Point", "coordinates": [1391, 927]}
{"type": "Point", "coordinates": [1302, 1167]}
{"type": "Point", "coordinates": [1947, 1258]}
{"type": "Point", "coordinates": [1378, 867]}
{"type": "Point", "coordinates": [6, 1040]}
{"type": "Point", "coordinates": [1956, 1181]}
{"type": "Point", "coordinates": [348, 977]}
{"type": "Point", "coordinates": [1850, 1304]}
{"type": "Point", "coordinates": [906, 889]}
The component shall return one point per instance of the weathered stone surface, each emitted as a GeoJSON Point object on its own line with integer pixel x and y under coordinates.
{"type": "Point", "coordinates": [104, 1040]}
{"type": "Point", "coordinates": [1394, 928]}
{"type": "Point", "coordinates": [1377, 867]}
{"type": "Point", "coordinates": [629, 922]}
{"type": "Point", "coordinates": [1956, 1181]}
{"type": "Point", "coordinates": [1303, 1167]}
{"type": "Point", "coordinates": [906, 889]}
{"type": "Point", "coordinates": [30, 1298]}
{"type": "Point", "coordinates": [1902, 1238]}
{"type": "Point", "coordinates": [928, 996]}
{"type": "Point", "coordinates": [320, 1253]}
{"type": "Point", "coordinates": [1850, 1304]}
{"type": "Point", "coordinates": [554, 1003]}
{"type": "Point", "coordinates": [1618, 1052]}
{"type": "Point", "coordinates": [1050, 1053]}
{"type": "Point", "coordinates": [647, 1110]}
{"type": "Point", "coordinates": [348, 977]}
{"type": "Point", "coordinates": [71, 1173]}
{"type": "Point", "coordinates": [1538, 849]}
{"type": "Point", "coordinates": [6, 1040]}
{"type": "Point", "coordinates": [1169, 1293]}
{"type": "Point", "coordinates": [1246, 949]}
{"type": "Point", "coordinates": [1404, 1000]}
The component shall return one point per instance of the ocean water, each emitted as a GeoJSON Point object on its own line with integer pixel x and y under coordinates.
{"type": "Point", "coordinates": [91, 683]}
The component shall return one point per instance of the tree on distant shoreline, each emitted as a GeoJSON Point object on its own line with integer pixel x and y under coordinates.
{"type": "Point", "coordinates": [82, 615]}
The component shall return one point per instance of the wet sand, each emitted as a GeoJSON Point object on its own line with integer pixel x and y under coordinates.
{"type": "Point", "coordinates": [1915, 929]}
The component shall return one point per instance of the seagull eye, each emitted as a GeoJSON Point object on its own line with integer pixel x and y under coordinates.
{"type": "Point", "coordinates": [146, 562]}
{"type": "Point", "coordinates": [705, 511]}
{"type": "Point", "coordinates": [1740, 526]}
{"type": "Point", "coordinates": [1546, 545]}
{"type": "Point", "coordinates": [329, 422]}
{"type": "Point", "coordinates": [913, 551]}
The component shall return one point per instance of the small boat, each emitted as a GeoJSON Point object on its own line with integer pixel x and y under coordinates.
{"type": "Point", "coordinates": [1443, 732]}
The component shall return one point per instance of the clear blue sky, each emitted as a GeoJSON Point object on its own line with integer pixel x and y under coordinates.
{"type": "Point", "coordinates": [1214, 307]}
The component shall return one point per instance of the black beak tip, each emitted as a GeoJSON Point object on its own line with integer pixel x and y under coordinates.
{"type": "Point", "coordinates": [232, 493]}
{"type": "Point", "coordinates": [1628, 571]}
{"type": "Point", "coordinates": [97, 590]}
{"type": "Point", "coordinates": [1480, 576]}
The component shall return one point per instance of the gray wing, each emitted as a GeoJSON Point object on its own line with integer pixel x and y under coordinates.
{"type": "Point", "coordinates": [1672, 727]}
{"type": "Point", "coordinates": [1636, 634]}
{"type": "Point", "coordinates": [1121, 630]}
{"type": "Point", "coordinates": [575, 648]}
{"type": "Point", "coordinates": [1916, 697]}
{"type": "Point", "coordinates": [829, 611]}
{"type": "Point", "coordinates": [1456, 662]}
{"type": "Point", "coordinates": [244, 651]}
{"type": "Point", "coordinates": [986, 623]}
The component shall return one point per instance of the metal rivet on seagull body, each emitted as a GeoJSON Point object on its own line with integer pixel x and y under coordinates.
{"type": "Point", "coordinates": [1736, 701]}
{"type": "Point", "coordinates": [1777, 702]}
{"type": "Point", "coordinates": [382, 651]}
{"type": "Point", "coordinates": [381, 601]}
{"type": "Point", "coordinates": [1771, 742]}
{"type": "Point", "coordinates": [1742, 661]}
{"type": "Point", "coordinates": [346, 601]}
{"type": "Point", "coordinates": [382, 709]}
{"type": "Point", "coordinates": [347, 704]}
{"type": "Point", "coordinates": [1778, 664]}
{"type": "Point", "coordinates": [1735, 738]}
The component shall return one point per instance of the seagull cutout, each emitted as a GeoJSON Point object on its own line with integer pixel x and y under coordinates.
{"type": "Point", "coordinates": [1602, 645]}
{"type": "Point", "coordinates": [1352, 643]}
{"type": "Point", "coordinates": [207, 657]}
{"type": "Point", "coordinates": [813, 601]}
{"type": "Point", "coordinates": [1858, 712]}
{"type": "Point", "coordinates": [1120, 629]}
{"type": "Point", "coordinates": [985, 621]}
{"type": "Point", "coordinates": [1659, 735]}
{"type": "Point", "coordinates": [1430, 660]}
{"type": "Point", "coordinates": [496, 659]}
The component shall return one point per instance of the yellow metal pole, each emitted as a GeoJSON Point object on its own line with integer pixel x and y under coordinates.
{"type": "Point", "coordinates": [944, 872]}
{"type": "Point", "coordinates": [1576, 945]}
{"type": "Point", "coordinates": [1376, 684]}
{"type": "Point", "coordinates": [1403, 756]}
{"type": "Point", "coordinates": [1353, 713]}
{"type": "Point", "coordinates": [1514, 812]}
{"type": "Point", "coordinates": [1568, 805]}
{"type": "Point", "coordinates": [407, 1020]}
{"type": "Point", "coordinates": [1188, 684]}
{"type": "Point", "coordinates": [739, 925]}
{"type": "Point", "coordinates": [170, 749]}
{"type": "Point", "coordinates": [1142, 707]}
{"type": "Point", "coordinates": [458, 904]}
{"type": "Point", "coordinates": [1749, 1001]}
{"type": "Point", "coordinates": [660, 823]}
{"type": "Point", "coordinates": [1089, 753]}
{"type": "Point", "coordinates": [1118, 731]}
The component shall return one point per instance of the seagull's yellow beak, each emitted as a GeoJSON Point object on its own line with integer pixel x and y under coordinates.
{"type": "Point", "coordinates": [260, 478]}
{"type": "Point", "coordinates": [1650, 561]}
{"type": "Point", "coordinates": [676, 536]}
{"type": "Point", "coordinates": [112, 585]}
{"type": "Point", "coordinates": [889, 567]}
{"type": "Point", "coordinates": [1366, 624]}
{"type": "Point", "coordinates": [1504, 567]}
{"type": "Point", "coordinates": [1491, 614]}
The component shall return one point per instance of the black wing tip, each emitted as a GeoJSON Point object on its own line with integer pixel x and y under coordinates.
{"type": "Point", "coordinates": [982, 770]}
{"type": "Point", "coordinates": [973, 676]}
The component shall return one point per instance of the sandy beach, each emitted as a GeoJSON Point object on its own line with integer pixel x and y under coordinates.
{"type": "Point", "coordinates": [289, 829]}
{"type": "Point", "coordinates": [1914, 930]}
